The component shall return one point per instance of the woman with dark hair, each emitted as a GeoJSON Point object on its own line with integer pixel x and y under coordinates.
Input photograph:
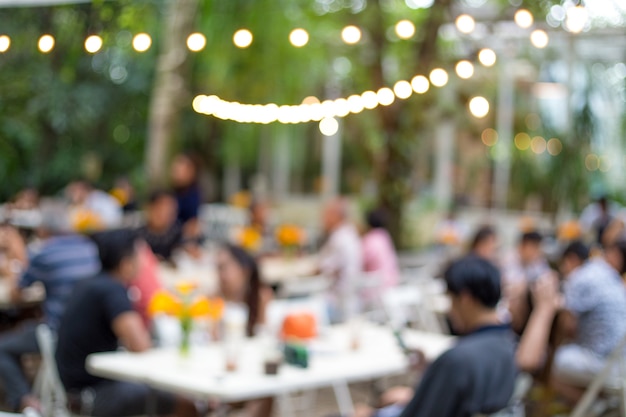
{"type": "Point", "coordinates": [240, 282]}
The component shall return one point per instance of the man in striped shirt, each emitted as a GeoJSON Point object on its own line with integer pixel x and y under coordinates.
{"type": "Point", "coordinates": [63, 260]}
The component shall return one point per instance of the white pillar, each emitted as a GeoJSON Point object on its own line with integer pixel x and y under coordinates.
{"type": "Point", "coordinates": [331, 164]}
{"type": "Point", "coordinates": [504, 127]}
{"type": "Point", "coordinates": [280, 163]}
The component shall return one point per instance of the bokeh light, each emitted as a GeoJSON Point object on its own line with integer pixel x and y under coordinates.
{"type": "Point", "coordinates": [538, 145]}
{"type": "Point", "coordinates": [522, 141]}
{"type": "Point", "coordinates": [464, 69]}
{"type": "Point", "coordinates": [142, 42]}
{"type": "Point", "coordinates": [524, 19]}
{"type": "Point", "coordinates": [370, 100]}
{"type": "Point", "coordinates": [489, 137]}
{"type": "Point", "coordinates": [196, 42]}
{"type": "Point", "coordinates": [539, 38]}
{"type": "Point", "coordinates": [576, 19]}
{"type": "Point", "coordinates": [592, 162]}
{"type": "Point", "coordinates": [438, 77]}
{"type": "Point", "coordinates": [403, 89]}
{"type": "Point", "coordinates": [45, 43]}
{"type": "Point", "coordinates": [420, 84]}
{"type": "Point", "coordinates": [405, 29]}
{"type": "Point", "coordinates": [355, 104]}
{"type": "Point", "coordinates": [555, 147]}
{"type": "Point", "coordinates": [299, 37]}
{"type": "Point", "coordinates": [329, 126]}
{"type": "Point", "coordinates": [465, 24]}
{"type": "Point", "coordinates": [351, 34]}
{"type": "Point", "coordinates": [243, 38]}
{"type": "Point", "coordinates": [93, 44]}
{"type": "Point", "coordinates": [5, 43]}
{"type": "Point", "coordinates": [479, 107]}
{"type": "Point", "coordinates": [385, 96]}
{"type": "Point", "coordinates": [487, 57]}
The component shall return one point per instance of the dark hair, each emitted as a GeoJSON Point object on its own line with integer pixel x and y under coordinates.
{"type": "Point", "coordinates": [114, 246]}
{"type": "Point", "coordinates": [377, 219]}
{"type": "Point", "coordinates": [476, 276]}
{"type": "Point", "coordinates": [532, 237]}
{"type": "Point", "coordinates": [157, 195]}
{"type": "Point", "coordinates": [577, 249]}
{"type": "Point", "coordinates": [482, 234]}
{"type": "Point", "coordinates": [253, 292]}
{"type": "Point", "coordinates": [620, 246]}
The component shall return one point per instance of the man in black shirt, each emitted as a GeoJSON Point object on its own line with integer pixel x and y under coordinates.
{"type": "Point", "coordinates": [98, 318]}
{"type": "Point", "coordinates": [162, 231]}
{"type": "Point", "coordinates": [477, 376]}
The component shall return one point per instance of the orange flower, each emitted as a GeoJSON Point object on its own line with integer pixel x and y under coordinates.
{"type": "Point", "coordinates": [250, 239]}
{"type": "Point", "coordinates": [569, 230]}
{"type": "Point", "coordinates": [165, 303]}
{"type": "Point", "coordinates": [86, 221]}
{"type": "Point", "coordinates": [199, 308]}
{"type": "Point", "coordinates": [290, 235]}
{"type": "Point", "coordinates": [216, 309]}
{"type": "Point", "coordinates": [186, 287]}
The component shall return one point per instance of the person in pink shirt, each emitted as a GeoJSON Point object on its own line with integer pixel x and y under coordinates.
{"type": "Point", "coordinates": [379, 253]}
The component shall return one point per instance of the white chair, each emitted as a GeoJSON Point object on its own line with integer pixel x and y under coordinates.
{"type": "Point", "coordinates": [48, 385]}
{"type": "Point", "coordinates": [600, 383]}
{"type": "Point", "coordinates": [407, 303]}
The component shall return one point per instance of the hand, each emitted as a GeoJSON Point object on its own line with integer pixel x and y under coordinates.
{"type": "Point", "coordinates": [545, 292]}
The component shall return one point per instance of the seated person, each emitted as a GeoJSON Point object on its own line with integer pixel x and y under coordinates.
{"type": "Point", "coordinates": [485, 244]}
{"type": "Point", "coordinates": [478, 374]}
{"type": "Point", "coordinates": [593, 320]}
{"type": "Point", "coordinates": [100, 317]}
{"type": "Point", "coordinates": [162, 231]}
{"type": "Point", "coordinates": [379, 253]}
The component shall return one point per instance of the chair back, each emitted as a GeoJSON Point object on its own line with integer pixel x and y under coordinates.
{"type": "Point", "coordinates": [48, 384]}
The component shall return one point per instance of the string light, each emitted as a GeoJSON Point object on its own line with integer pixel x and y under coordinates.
{"type": "Point", "coordinates": [351, 34]}
{"type": "Point", "coordinates": [385, 96]}
{"type": "Point", "coordinates": [576, 19]}
{"type": "Point", "coordinates": [465, 24]}
{"type": "Point", "coordinates": [403, 89]}
{"type": "Point", "coordinates": [142, 42]}
{"type": "Point", "coordinates": [93, 44]}
{"type": "Point", "coordinates": [329, 126]}
{"type": "Point", "coordinates": [479, 107]}
{"type": "Point", "coordinates": [405, 29]}
{"type": "Point", "coordinates": [554, 147]}
{"type": "Point", "coordinates": [523, 18]}
{"type": "Point", "coordinates": [196, 42]}
{"type": "Point", "coordinates": [539, 39]}
{"type": "Point", "coordinates": [243, 38]}
{"type": "Point", "coordinates": [46, 43]}
{"type": "Point", "coordinates": [538, 145]}
{"type": "Point", "coordinates": [464, 69]}
{"type": "Point", "coordinates": [487, 57]}
{"type": "Point", "coordinates": [420, 84]}
{"type": "Point", "coordinates": [370, 100]}
{"type": "Point", "coordinates": [522, 141]}
{"type": "Point", "coordinates": [299, 37]}
{"type": "Point", "coordinates": [438, 77]}
{"type": "Point", "coordinates": [5, 43]}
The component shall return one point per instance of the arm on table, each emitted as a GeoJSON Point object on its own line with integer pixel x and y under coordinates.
{"type": "Point", "coordinates": [130, 330]}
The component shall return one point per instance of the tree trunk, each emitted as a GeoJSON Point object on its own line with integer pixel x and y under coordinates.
{"type": "Point", "coordinates": [169, 93]}
{"type": "Point", "coordinates": [400, 141]}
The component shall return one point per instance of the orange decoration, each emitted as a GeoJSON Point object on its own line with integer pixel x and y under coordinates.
{"type": "Point", "coordinates": [569, 231]}
{"type": "Point", "coordinates": [250, 239]}
{"type": "Point", "coordinates": [300, 326]}
{"type": "Point", "coordinates": [290, 235]}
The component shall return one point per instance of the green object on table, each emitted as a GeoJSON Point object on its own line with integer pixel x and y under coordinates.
{"type": "Point", "coordinates": [296, 355]}
{"type": "Point", "coordinates": [186, 323]}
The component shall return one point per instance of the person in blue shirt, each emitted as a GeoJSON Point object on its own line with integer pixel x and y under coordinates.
{"type": "Point", "coordinates": [63, 260]}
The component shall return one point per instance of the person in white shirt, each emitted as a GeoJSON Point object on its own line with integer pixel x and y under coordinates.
{"type": "Point", "coordinates": [83, 196]}
{"type": "Point", "coordinates": [341, 259]}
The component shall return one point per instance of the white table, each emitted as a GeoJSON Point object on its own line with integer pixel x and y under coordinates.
{"type": "Point", "coordinates": [332, 363]}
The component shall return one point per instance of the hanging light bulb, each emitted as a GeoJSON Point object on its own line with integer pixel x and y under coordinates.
{"type": "Point", "coordinates": [196, 42]}
{"type": "Point", "coordinates": [487, 57]}
{"type": "Point", "coordinates": [93, 44]}
{"type": "Point", "coordinates": [242, 38]}
{"type": "Point", "coordinates": [142, 42]}
{"type": "Point", "coordinates": [46, 43]}
{"type": "Point", "coordinates": [524, 19]}
{"type": "Point", "coordinates": [465, 24]}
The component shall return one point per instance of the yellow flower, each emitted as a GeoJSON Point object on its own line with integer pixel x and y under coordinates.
{"type": "Point", "coordinates": [289, 235]}
{"type": "Point", "coordinates": [250, 239]}
{"type": "Point", "coordinates": [165, 303]}
{"type": "Point", "coordinates": [120, 195]}
{"type": "Point", "coordinates": [185, 288]}
{"type": "Point", "coordinates": [199, 308]}
{"type": "Point", "coordinates": [569, 230]}
{"type": "Point", "coordinates": [86, 221]}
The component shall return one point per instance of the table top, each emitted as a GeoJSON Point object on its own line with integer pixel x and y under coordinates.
{"type": "Point", "coordinates": [202, 374]}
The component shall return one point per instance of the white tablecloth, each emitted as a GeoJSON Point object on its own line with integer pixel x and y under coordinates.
{"type": "Point", "coordinates": [202, 375]}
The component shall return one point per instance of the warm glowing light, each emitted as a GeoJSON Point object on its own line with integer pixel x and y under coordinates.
{"type": "Point", "coordinates": [196, 42]}
{"type": "Point", "coordinates": [465, 23]}
{"type": "Point", "coordinates": [310, 100]}
{"type": "Point", "coordinates": [487, 57]}
{"type": "Point", "coordinates": [385, 96]}
{"type": "Point", "coordinates": [329, 126]}
{"type": "Point", "coordinates": [242, 38]}
{"type": "Point", "coordinates": [538, 145]}
{"type": "Point", "coordinates": [299, 37]}
{"type": "Point", "coordinates": [420, 84]}
{"type": "Point", "coordinates": [5, 43]}
{"type": "Point", "coordinates": [351, 34]}
{"type": "Point", "coordinates": [592, 162]}
{"type": "Point", "coordinates": [524, 18]}
{"type": "Point", "coordinates": [403, 89]}
{"type": "Point", "coordinates": [464, 69]}
{"type": "Point", "coordinates": [93, 44]}
{"type": "Point", "coordinates": [489, 137]}
{"type": "Point", "coordinates": [576, 19]}
{"type": "Point", "coordinates": [405, 29]}
{"type": "Point", "coordinates": [438, 77]}
{"type": "Point", "coordinates": [341, 107]}
{"type": "Point", "coordinates": [142, 42]}
{"type": "Point", "coordinates": [539, 38]}
{"type": "Point", "coordinates": [46, 43]}
{"type": "Point", "coordinates": [370, 100]}
{"type": "Point", "coordinates": [522, 141]}
{"type": "Point", "coordinates": [355, 104]}
{"type": "Point", "coordinates": [479, 107]}
{"type": "Point", "coordinates": [555, 147]}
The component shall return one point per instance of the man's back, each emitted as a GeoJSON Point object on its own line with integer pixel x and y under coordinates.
{"type": "Point", "coordinates": [476, 376]}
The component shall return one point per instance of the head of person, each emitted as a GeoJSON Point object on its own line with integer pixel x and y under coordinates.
{"type": "Point", "coordinates": [184, 171]}
{"type": "Point", "coordinates": [603, 203]}
{"type": "Point", "coordinates": [335, 214]}
{"type": "Point", "coordinates": [530, 247]}
{"type": "Point", "coordinates": [259, 213]}
{"type": "Point", "coordinates": [485, 243]}
{"type": "Point", "coordinates": [474, 288]}
{"type": "Point", "coordinates": [574, 255]}
{"type": "Point", "coordinates": [78, 191]}
{"type": "Point", "coordinates": [118, 254]}
{"type": "Point", "coordinates": [240, 280]}
{"type": "Point", "coordinates": [616, 256]}
{"type": "Point", "coordinates": [161, 210]}
{"type": "Point", "coordinates": [376, 219]}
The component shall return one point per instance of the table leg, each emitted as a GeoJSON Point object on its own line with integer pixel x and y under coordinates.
{"type": "Point", "coordinates": [285, 406]}
{"type": "Point", "coordinates": [343, 397]}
